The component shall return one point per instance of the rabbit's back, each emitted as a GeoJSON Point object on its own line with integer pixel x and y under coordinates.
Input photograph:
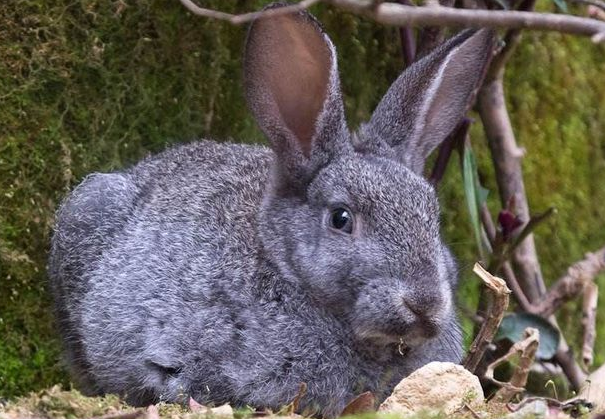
{"type": "Point", "coordinates": [133, 250]}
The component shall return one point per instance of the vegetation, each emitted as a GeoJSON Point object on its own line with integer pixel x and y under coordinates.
{"type": "Point", "coordinates": [92, 85]}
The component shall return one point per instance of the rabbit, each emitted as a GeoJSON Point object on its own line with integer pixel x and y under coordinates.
{"type": "Point", "coordinates": [231, 273]}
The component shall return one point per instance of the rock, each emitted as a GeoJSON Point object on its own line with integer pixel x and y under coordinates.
{"type": "Point", "coordinates": [537, 409]}
{"type": "Point", "coordinates": [224, 410]}
{"type": "Point", "coordinates": [438, 386]}
{"type": "Point", "coordinates": [593, 389]}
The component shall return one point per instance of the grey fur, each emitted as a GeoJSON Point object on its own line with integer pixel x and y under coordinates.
{"type": "Point", "coordinates": [209, 270]}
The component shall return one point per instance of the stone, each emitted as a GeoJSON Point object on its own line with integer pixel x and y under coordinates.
{"type": "Point", "coordinates": [438, 386]}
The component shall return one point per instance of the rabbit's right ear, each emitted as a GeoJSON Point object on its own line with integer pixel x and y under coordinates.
{"type": "Point", "coordinates": [293, 90]}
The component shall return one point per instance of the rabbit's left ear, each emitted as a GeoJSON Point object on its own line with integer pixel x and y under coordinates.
{"type": "Point", "coordinates": [430, 98]}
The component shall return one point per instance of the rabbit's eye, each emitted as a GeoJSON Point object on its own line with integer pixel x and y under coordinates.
{"type": "Point", "coordinates": [341, 219]}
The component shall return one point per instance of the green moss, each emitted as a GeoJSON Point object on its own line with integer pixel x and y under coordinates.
{"type": "Point", "coordinates": [95, 85]}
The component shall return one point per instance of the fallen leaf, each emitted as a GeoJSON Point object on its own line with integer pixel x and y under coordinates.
{"type": "Point", "coordinates": [364, 403]}
{"type": "Point", "coordinates": [195, 406]}
{"type": "Point", "coordinates": [152, 412]}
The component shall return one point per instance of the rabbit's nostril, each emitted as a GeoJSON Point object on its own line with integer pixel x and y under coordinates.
{"type": "Point", "coordinates": [414, 307]}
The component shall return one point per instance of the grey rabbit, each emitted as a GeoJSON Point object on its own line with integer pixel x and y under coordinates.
{"type": "Point", "coordinates": [233, 273]}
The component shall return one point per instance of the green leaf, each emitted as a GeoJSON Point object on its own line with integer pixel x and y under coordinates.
{"type": "Point", "coordinates": [562, 5]}
{"type": "Point", "coordinates": [503, 3]}
{"type": "Point", "coordinates": [513, 326]}
{"type": "Point", "coordinates": [475, 194]}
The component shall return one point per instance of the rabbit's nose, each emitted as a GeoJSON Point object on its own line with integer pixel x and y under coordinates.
{"type": "Point", "coordinates": [423, 305]}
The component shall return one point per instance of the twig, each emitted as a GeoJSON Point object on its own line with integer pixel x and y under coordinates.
{"type": "Point", "coordinates": [526, 349]}
{"type": "Point", "coordinates": [498, 303]}
{"type": "Point", "coordinates": [565, 358]}
{"type": "Point", "coordinates": [507, 269]}
{"type": "Point", "coordinates": [593, 389]}
{"type": "Point", "coordinates": [504, 250]}
{"type": "Point", "coordinates": [431, 36]}
{"type": "Point", "coordinates": [513, 283]}
{"type": "Point", "coordinates": [571, 284]}
{"type": "Point", "coordinates": [408, 40]}
{"type": "Point", "coordinates": [596, 3]}
{"type": "Point", "coordinates": [246, 17]}
{"type": "Point", "coordinates": [122, 415]}
{"type": "Point", "coordinates": [292, 408]}
{"type": "Point", "coordinates": [453, 140]}
{"type": "Point", "coordinates": [531, 225]}
{"type": "Point", "coordinates": [589, 321]}
{"type": "Point", "coordinates": [473, 412]}
{"type": "Point", "coordinates": [596, 13]}
{"type": "Point", "coordinates": [400, 15]}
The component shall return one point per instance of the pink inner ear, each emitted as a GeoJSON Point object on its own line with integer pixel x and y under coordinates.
{"type": "Point", "coordinates": [295, 68]}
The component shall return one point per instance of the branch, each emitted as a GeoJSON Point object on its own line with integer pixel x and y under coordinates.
{"type": "Point", "coordinates": [454, 139]}
{"type": "Point", "coordinates": [526, 349]}
{"type": "Point", "coordinates": [506, 157]}
{"type": "Point", "coordinates": [408, 40]}
{"type": "Point", "coordinates": [589, 322]}
{"type": "Point", "coordinates": [400, 15]}
{"type": "Point", "coordinates": [596, 3]}
{"type": "Point", "coordinates": [498, 303]}
{"type": "Point", "coordinates": [507, 269]}
{"type": "Point", "coordinates": [246, 17]}
{"type": "Point", "coordinates": [571, 284]}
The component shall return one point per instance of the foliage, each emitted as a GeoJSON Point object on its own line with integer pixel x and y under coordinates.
{"type": "Point", "coordinates": [92, 85]}
{"type": "Point", "coordinates": [514, 325]}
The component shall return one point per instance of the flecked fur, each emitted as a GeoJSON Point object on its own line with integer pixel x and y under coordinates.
{"type": "Point", "coordinates": [209, 271]}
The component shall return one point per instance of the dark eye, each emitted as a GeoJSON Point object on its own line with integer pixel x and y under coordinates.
{"type": "Point", "coordinates": [341, 219]}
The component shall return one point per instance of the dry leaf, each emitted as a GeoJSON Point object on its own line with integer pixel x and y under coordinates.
{"type": "Point", "coordinates": [364, 403]}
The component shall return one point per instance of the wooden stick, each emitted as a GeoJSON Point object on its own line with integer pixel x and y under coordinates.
{"type": "Point", "coordinates": [498, 302]}
{"type": "Point", "coordinates": [589, 321]}
{"type": "Point", "coordinates": [407, 16]}
{"type": "Point", "coordinates": [526, 349]}
{"type": "Point", "coordinates": [571, 284]}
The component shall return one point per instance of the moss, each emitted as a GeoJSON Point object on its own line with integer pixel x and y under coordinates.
{"type": "Point", "coordinates": [95, 85]}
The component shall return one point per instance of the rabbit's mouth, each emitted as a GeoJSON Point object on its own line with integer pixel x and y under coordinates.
{"type": "Point", "coordinates": [403, 341]}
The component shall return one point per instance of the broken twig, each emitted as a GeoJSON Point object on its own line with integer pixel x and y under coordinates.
{"type": "Point", "coordinates": [497, 304]}
{"type": "Point", "coordinates": [589, 321]}
{"type": "Point", "coordinates": [526, 349]}
{"type": "Point", "coordinates": [572, 284]}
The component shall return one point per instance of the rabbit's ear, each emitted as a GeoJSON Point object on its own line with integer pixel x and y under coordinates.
{"type": "Point", "coordinates": [430, 98]}
{"type": "Point", "coordinates": [293, 90]}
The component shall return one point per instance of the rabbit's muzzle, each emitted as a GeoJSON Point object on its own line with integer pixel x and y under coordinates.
{"type": "Point", "coordinates": [385, 314]}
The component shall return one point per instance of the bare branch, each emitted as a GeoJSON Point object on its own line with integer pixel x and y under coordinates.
{"type": "Point", "coordinates": [594, 389]}
{"type": "Point", "coordinates": [454, 139]}
{"type": "Point", "coordinates": [589, 322]}
{"type": "Point", "coordinates": [497, 305]}
{"type": "Point", "coordinates": [507, 269]}
{"type": "Point", "coordinates": [403, 15]}
{"type": "Point", "coordinates": [246, 17]}
{"type": "Point", "coordinates": [400, 15]}
{"type": "Point", "coordinates": [566, 360]}
{"type": "Point", "coordinates": [526, 349]}
{"type": "Point", "coordinates": [408, 40]}
{"type": "Point", "coordinates": [571, 284]}
{"type": "Point", "coordinates": [122, 415]}
{"type": "Point", "coordinates": [596, 12]}
{"type": "Point", "coordinates": [430, 37]}
{"type": "Point", "coordinates": [596, 3]}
